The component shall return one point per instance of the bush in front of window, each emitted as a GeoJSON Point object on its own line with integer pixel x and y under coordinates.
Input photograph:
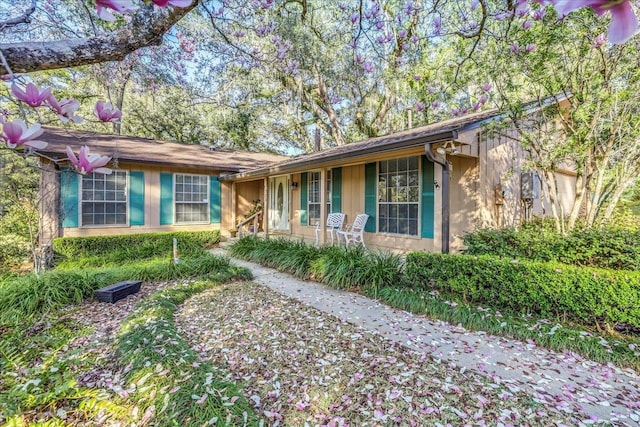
{"type": "Point", "coordinates": [74, 252]}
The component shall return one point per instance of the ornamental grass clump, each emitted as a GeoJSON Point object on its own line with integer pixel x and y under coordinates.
{"type": "Point", "coordinates": [24, 296]}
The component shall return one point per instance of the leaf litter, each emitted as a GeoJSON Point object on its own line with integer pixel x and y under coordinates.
{"type": "Point", "coordinates": [303, 367]}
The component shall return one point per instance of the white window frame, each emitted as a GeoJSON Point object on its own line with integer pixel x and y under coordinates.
{"type": "Point", "coordinates": [81, 200]}
{"type": "Point", "coordinates": [382, 204]}
{"type": "Point", "coordinates": [311, 221]}
{"type": "Point", "coordinates": [206, 201]}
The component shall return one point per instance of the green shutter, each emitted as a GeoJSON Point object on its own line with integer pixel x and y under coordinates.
{"type": "Point", "coordinates": [166, 198]}
{"type": "Point", "coordinates": [136, 198]}
{"type": "Point", "coordinates": [214, 199]}
{"type": "Point", "coordinates": [69, 189]}
{"type": "Point", "coordinates": [427, 201]}
{"type": "Point", "coordinates": [303, 199]}
{"type": "Point", "coordinates": [336, 190]}
{"type": "Point", "coordinates": [370, 197]}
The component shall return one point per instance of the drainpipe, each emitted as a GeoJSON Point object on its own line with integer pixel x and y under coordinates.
{"type": "Point", "coordinates": [433, 157]}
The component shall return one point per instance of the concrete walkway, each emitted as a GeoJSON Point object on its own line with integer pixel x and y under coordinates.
{"type": "Point", "coordinates": [591, 391]}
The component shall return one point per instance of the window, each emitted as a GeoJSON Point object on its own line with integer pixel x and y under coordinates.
{"type": "Point", "coordinates": [398, 196]}
{"type": "Point", "coordinates": [313, 201]}
{"type": "Point", "coordinates": [104, 199]}
{"type": "Point", "coordinates": [192, 198]}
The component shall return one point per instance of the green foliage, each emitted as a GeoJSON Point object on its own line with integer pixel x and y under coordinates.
{"type": "Point", "coordinates": [336, 266]}
{"type": "Point", "coordinates": [14, 251]}
{"type": "Point", "coordinates": [30, 295]}
{"type": "Point", "coordinates": [552, 335]}
{"type": "Point", "coordinates": [357, 268]}
{"type": "Point", "coordinates": [76, 252]}
{"type": "Point", "coordinates": [39, 373]}
{"type": "Point", "coordinates": [588, 296]}
{"type": "Point", "coordinates": [156, 358]}
{"type": "Point", "coordinates": [609, 247]}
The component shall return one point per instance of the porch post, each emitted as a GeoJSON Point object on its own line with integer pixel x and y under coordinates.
{"type": "Point", "coordinates": [265, 210]}
{"type": "Point", "coordinates": [323, 206]}
{"type": "Point", "coordinates": [234, 203]}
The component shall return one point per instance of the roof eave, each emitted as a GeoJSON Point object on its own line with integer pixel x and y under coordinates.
{"type": "Point", "coordinates": [304, 165]}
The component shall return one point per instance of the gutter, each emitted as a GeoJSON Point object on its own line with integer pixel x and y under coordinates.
{"type": "Point", "coordinates": [433, 157]}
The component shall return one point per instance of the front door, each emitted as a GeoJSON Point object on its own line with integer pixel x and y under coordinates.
{"type": "Point", "coordinates": [279, 203]}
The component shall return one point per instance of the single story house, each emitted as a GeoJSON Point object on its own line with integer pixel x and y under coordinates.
{"type": "Point", "coordinates": [155, 185]}
{"type": "Point", "coordinates": [422, 188]}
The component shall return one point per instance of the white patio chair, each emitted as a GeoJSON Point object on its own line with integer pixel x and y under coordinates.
{"type": "Point", "coordinates": [335, 221]}
{"type": "Point", "coordinates": [354, 233]}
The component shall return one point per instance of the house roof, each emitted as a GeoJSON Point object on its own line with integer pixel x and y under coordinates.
{"type": "Point", "coordinates": [149, 151]}
{"type": "Point", "coordinates": [445, 130]}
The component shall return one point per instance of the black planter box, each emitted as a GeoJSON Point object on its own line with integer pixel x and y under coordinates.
{"type": "Point", "coordinates": [117, 291]}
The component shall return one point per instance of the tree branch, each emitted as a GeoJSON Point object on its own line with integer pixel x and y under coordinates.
{"type": "Point", "coordinates": [25, 18]}
{"type": "Point", "coordinates": [146, 28]}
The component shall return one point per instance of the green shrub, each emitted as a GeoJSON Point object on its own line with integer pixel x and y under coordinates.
{"type": "Point", "coordinates": [76, 252]}
{"type": "Point", "coordinates": [15, 250]}
{"type": "Point", "coordinates": [585, 295]}
{"type": "Point", "coordinates": [29, 295]}
{"type": "Point", "coordinates": [616, 248]}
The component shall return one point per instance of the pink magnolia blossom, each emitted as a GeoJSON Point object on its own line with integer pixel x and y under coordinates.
{"type": "Point", "coordinates": [65, 108]}
{"type": "Point", "coordinates": [527, 24]}
{"type": "Point", "coordinates": [531, 47]}
{"type": "Point", "coordinates": [419, 106]}
{"type": "Point", "coordinates": [120, 6]}
{"type": "Point", "coordinates": [181, 3]}
{"type": "Point", "coordinates": [17, 133]}
{"type": "Point", "coordinates": [87, 163]}
{"type": "Point", "coordinates": [31, 94]}
{"type": "Point", "coordinates": [624, 22]}
{"type": "Point", "coordinates": [107, 112]}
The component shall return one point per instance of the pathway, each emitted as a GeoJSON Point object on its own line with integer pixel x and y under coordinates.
{"type": "Point", "coordinates": [562, 380]}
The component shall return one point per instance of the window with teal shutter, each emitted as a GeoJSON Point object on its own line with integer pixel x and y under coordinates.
{"type": "Point", "coordinates": [166, 198]}
{"type": "Point", "coordinates": [136, 198]}
{"type": "Point", "coordinates": [336, 190]}
{"type": "Point", "coordinates": [214, 199]}
{"type": "Point", "coordinates": [428, 200]}
{"type": "Point", "coordinates": [370, 199]}
{"type": "Point", "coordinates": [303, 199]}
{"type": "Point", "coordinates": [69, 185]}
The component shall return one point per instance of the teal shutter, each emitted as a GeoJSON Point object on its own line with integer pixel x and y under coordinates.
{"type": "Point", "coordinates": [427, 200]}
{"type": "Point", "coordinates": [214, 199]}
{"type": "Point", "coordinates": [166, 198]}
{"type": "Point", "coordinates": [69, 189]}
{"type": "Point", "coordinates": [303, 199]}
{"type": "Point", "coordinates": [136, 198]}
{"type": "Point", "coordinates": [336, 190]}
{"type": "Point", "coordinates": [370, 197]}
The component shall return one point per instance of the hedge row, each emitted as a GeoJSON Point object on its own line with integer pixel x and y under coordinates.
{"type": "Point", "coordinates": [105, 250]}
{"type": "Point", "coordinates": [593, 247]}
{"type": "Point", "coordinates": [585, 295]}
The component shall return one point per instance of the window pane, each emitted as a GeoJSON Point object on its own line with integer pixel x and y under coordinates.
{"type": "Point", "coordinates": [398, 196]}
{"type": "Point", "coordinates": [191, 198]}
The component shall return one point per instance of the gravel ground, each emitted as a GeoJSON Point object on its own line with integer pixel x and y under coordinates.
{"type": "Point", "coordinates": [304, 367]}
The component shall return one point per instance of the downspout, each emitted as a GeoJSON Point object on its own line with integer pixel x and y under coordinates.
{"type": "Point", "coordinates": [432, 157]}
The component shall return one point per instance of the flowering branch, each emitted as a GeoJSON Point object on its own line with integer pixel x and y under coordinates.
{"type": "Point", "coordinates": [147, 27]}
